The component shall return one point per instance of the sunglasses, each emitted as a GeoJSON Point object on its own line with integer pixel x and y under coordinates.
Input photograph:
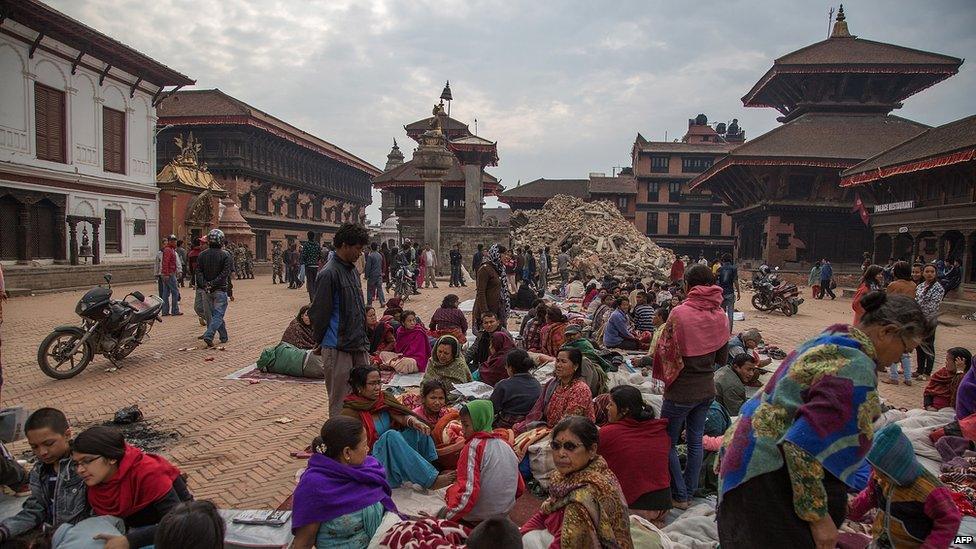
{"type": "Point", "coordinates": [569, 446]}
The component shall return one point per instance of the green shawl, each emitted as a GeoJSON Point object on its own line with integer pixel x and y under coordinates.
{"type": "Point", "coordinates": [482, 414]}
{"type": "Point", "coordinates": [455, 371]}
{"type": "Point", "coordinates": [589, 352]}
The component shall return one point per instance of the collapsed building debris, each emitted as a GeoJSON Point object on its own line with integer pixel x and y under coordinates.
{"type": "Point", "coordinates": [600, 241]}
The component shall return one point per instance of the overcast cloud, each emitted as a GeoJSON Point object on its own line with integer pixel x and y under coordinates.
{"type": "Point", "coordinates": [562, 86]}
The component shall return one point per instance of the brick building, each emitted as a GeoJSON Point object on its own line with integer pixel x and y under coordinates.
{"type": "Point", "coordinates": [690, 222]}
{"type": "Point", "coordinates": [285, 181]}
{"type": "Point", "coordinates": [836, 97]}
{"type": "Point", "coordinates": [620, 189]}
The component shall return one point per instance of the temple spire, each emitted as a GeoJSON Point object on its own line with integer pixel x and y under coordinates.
{"type": "Point", "coordinates": [394, 159]}
{"type": "Point", "coordinates": [840, 26]}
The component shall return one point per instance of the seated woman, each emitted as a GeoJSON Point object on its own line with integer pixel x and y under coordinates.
{"type": "Point", "coordinates": [125, 482]}
{"type": "Point", "coordinates": [412, 342]}
{"type": "Point", "coordinates": [394, 307]}
{"type": "Point", "coordinates": [944, 384]}
{"type": "Point", "coordinates": [397, 438]}
{"type": "Point", "coordinates": [488, 479]}
{"type": "Point", "coordinates": [447, 433]}
{"type": "Point", "coordinates": [554, 331]}
{"type": "Point", "coordinates": [380, 333]}
{"type": "Point", "coordinates": [585, 507]}
{"type": "Point", "coordinates": [567, 394]}
{"type": "Point", "coordinates": [591, 293]}
{"type": "Point", "coordinates": [448, 319]}
{"type": "Point", "coordinates": [636, 448]}
{"type": "Point", "coordinates": [513, 398]}
{"type": "Point", "coordinates": [342, 495]}
{"type": "Point", "coordinates": [493, 369]}
{"type": "Point", "coordinates": [299, 331]}
{"type": "Point", "coordinates": [532, 328]}
{"type": "Point", "coordinates": [446, 363]}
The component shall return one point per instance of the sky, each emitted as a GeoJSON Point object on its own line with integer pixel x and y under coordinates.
{"type": "Point", "coordinates": [562, 86]}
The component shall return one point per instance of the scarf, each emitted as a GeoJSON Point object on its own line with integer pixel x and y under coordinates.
{"type": "Point", "coordinates": [482, 414]}
{"type": "Point", "coordinates": [493, 370]}
{"type": "Point", "coordinates": [366, 408]}
{"type": "Point", "coordinates": [141, 480]}
{"type": "Point", "coordinates": [596, 489]}
{"type": "Point", "coordinates": [677, 270]}
{"type": "Point", "coordinates": [299, 334]}
{"type": "Point", "coordinates": [696, 327]}
{"type": "Point", "coordinates": [329, 489]}
{"type": "Point", "coordinates": [589, 352]}
{"type": "Point", "coordinates": [944, 384]}
{"type": "Point", "coordinates": [553, 335]}
{"type": "Point", "coordinates": [454, 371]}
{"type": "Point", "coordinates": [379, 333]}
{"type": "Point", "coordinates": [966, 395]}
{"type": "Point", "coordinates": [494, 258]}
{"type": "Point", "coordinates": [413, 342]}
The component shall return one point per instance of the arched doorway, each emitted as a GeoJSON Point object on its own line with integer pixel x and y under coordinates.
{"type": "Point", "coordinates": [43, 217]}
{"type": "Point", "coordinates": [902, 247]}
{"type": "Point", "coordinates": [927, 245]}
{"type": "Point", "coordinates": [8, 227]}
{"type": "Point", "coordinates": [952, 245]}
{"type": "Point", "coordinates": [882, 249]}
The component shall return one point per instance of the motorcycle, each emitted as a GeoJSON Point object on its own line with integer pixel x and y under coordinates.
{"type": "Point", "coordinates": [773, 295]}
{"type": "Point", "coordinates": [110, 327]}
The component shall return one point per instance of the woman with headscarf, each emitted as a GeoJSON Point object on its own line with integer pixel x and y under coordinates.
{"type": "Point", "coordinates": [488, 480]}
{"type": "Point", "coordinates": [677, 270]}
{"type": "Point", "coordinates": [566, 394]}
{"type": "Point", "coordinates": [125, 482]}
{"type": "Point", "coordinates": [342, 496]}
{"type": "Point", "coordinates": [491, 292]}
{"type": "Point", "coordinates": [493, 370]}
{"type": "Point", "coordinates": [394, 307]}
{"type": "Point", "coordinates": [412, 342]}
{"type": "Point", "coordinates": [448, 319]}
{"type": "Point", "coordinates": [397, 437]}
{"type": "Point", "coordinates": [380, 333]}
{"type": "Point", "coordinates": [586, 506]}
{"type": "Point", "coordinates": [553, 334]}
{"type": "Point", "coordinates": [299, 331]}
{"type": "Point", "coordinates": [446, 363]}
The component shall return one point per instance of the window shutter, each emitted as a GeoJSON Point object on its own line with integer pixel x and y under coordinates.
{"type": "Point", "coordinates": [49, 123]}
{"type": "Point", "coordinates": [113, 140]}
{"type": "Point", "coordinates": [40, 121]}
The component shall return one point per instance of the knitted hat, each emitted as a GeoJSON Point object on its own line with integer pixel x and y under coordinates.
{"type": "Point", "coordinates": [892, 454]}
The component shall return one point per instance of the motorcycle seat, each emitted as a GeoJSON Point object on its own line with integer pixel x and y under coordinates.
{"type": "Point", "coordinates": [146, 309]}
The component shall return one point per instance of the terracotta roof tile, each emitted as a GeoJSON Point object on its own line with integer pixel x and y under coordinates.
{"type": "Point", "coordinates": [547, 188]}
{"type": "Point", "coordinates": [937, 141]}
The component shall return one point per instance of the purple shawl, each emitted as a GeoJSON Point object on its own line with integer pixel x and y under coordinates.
{"type": "Point", "coordinates": [966, 395]}
{"type": "Point", "coordinates": [415, 344]}
{"type": "Point", "coordinates": [329, 489]}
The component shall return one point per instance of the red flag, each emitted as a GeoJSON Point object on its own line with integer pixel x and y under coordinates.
{"type": "Point", "coordinates": [860, 209]}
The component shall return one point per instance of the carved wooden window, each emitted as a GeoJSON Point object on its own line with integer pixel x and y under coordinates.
{"type": "Point", "coordinates": [651, 222]}
{"type": "Point", "coordinates": [694, 224]}
{"type": "Point", "coordinates": [659, 164]}
{"type": "Point", "coordinates": [49, 123]}
{"type": "Point", "coordinates": [653, 191]}
{"type": "Point", "coordinates": [113, 140]}
{"type": "Point", "coordinates": [113, 231]}
{"type": "Point", "coordinates": [673, 223]}
{"type": "Point", "coordinates": [715, 225]}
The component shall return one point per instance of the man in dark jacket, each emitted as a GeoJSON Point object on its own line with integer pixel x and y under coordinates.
{"type": "Point", "coordinates": [374, 276]}
{"type": "Point", "coordinates": [338, 314]}
{"type": "Point", "coordinates": [456, 279]}
{"type": "Point", "coordinates": [214, 268]}
{"type": "Point", "coordinates": [311, 253]}
{"type": "Point", "coordinates": [477, 259]}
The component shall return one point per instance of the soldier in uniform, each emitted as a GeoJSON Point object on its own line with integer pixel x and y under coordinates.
{"type": "Point", "coordinates": [277, 264]}
{"type": "Point", "coordinates": [239, 259]}
{"type": "Point", "coordinates": [248, 262]}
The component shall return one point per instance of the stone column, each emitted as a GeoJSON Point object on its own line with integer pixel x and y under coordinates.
{"type": "Point", "coordinates": [472, 195]}
{"type": "Point", "coordinates": [432, 214]}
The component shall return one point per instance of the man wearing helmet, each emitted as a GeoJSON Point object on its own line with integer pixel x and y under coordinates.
{"type": "Point", "coordinates": [214, 268]}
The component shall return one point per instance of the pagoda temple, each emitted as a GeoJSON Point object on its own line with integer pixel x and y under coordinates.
{"type": "Point", "coordinates": [463, 186]}
{"type": "Point", "coordinates": [835, 97]}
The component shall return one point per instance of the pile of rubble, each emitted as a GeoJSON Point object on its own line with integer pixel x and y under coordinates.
{"type": "Point", "coordinates": [600, 240]}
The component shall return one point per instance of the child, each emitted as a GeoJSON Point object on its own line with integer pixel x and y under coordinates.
{"type": "Point", "coordinates": [488, 480]}
{"type": "Point", "coordinates": [434, 401]}
{"type": "Point", "coordinates": [944, 383]}
{"type": "Point", "coordinates": [53, 479]}
{"type": "Point", "coordinates": [914, 508]}
{"type": "Point", "coordinates": [412, 342]}
{"type": "Point", "coordinates": [448, 439]}
{"type": "Point", "coordinates": [191, 524]}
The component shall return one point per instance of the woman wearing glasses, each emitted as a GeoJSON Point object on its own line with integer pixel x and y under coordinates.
{"type": "Point", "coordinates": [125, 482]}
{"type": "Point", "coordinates": [797, 444]}
{"type": "Point", "coordinates": [586, 506]}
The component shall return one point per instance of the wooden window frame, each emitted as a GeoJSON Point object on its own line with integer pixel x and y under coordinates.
{"type": "Point", "coordinates": [116, 247]}
{"type": "Point", "coordinates": [677, 223]}
{"type": "Point", "coordinates": [42, 135]}
{"type": "Point", "coordinates": [108, 147]}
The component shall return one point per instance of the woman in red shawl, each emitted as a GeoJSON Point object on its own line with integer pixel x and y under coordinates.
{"type": "Point", "coordinates": [380, 332]}
{"type": "Point", "coordinates": [677, 270]}
{"type": "Point", "coordinates": [553, 334]}
{"type": "Point", "coordinates": [493, 370]}
{"type": "Point", "coordinates": [124, 482]}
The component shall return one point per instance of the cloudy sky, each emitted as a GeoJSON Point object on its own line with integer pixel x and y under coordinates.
{"type": "Point", "coordinates": [563, 86]}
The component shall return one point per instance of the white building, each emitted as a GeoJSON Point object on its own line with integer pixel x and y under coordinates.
{"type": "Point", "coordinates": [77, 119]}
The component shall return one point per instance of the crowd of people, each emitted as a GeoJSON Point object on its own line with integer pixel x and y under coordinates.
{"type": "Point", "coordinates": [709, 415]}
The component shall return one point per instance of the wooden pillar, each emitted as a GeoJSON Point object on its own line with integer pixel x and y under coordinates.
{"type": "Point", "coordinates": [72, 240]}
{"type": "Point", "coordinates": [96, 246]}
{"type": "Point", "coordinates": [24, 253]}
{"type": "Point", "coordinates": [60, 255]}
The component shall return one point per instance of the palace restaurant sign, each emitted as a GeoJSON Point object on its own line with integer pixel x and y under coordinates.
{"type": "Point", "coordinates": [893, 206]}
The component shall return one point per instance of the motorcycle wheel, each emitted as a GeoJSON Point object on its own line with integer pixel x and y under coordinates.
{"type": "Point", "coordinates": [796, 308]}
{"type": "Point", "coordinates": [51, 359]}
{"type": "Point", "coordinates": [757, 303]}
{"type": "Point", "coordinates": [787, 309]}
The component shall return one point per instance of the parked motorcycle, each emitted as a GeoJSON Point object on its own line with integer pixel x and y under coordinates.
{"type": "Point", "coordinates": [110, 327]}
{"type": "Point", "coordinates": [771, 294]}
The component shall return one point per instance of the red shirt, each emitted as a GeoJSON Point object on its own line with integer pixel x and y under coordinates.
{"type": "Point", "coordinates": [168, 265]}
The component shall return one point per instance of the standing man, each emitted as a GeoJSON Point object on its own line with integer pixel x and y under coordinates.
{"type": "Point", "coordinates": [430, 269]}
{"type": "Point", "coordinates": [214, 268]}
{"type": "Point", "coordinates": [338, 314]}
{"type": "Point", "coordinates": [277, 263]}
{"type": "Point", "coordinates": [544, 268]}
{"type": "Point", "coordinates": [191, 260]}
{"type": "Point", "coordinates": [311, 253]}
{"type": "Point", "coordinates": [826, 274]}
{"type": "Point", "coordinates": [562, 264]}
{"type": "Point", "coordinates": [477, 260]}
{"type": "Point", "coordinates": [169, 270]}
{"type": "Point", "coordinates": [456, 280]}
{"type": "Point", "coordinates": [292, 259]}
{"type": "Point", "coordinates": [728, 279]}
{"type": "Point", "coordinates": [374, 276]}
{"type": "Point", "coordinates": [181, 252]}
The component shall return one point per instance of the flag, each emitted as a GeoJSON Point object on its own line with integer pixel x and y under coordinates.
{"type": "Point", "coordinates": [860, 209]}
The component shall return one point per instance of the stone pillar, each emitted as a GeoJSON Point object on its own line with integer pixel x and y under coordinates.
{"type": "Point", "coordinates": [472, 195]}
{"type": "Point", "coordinates": [432, 214]}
